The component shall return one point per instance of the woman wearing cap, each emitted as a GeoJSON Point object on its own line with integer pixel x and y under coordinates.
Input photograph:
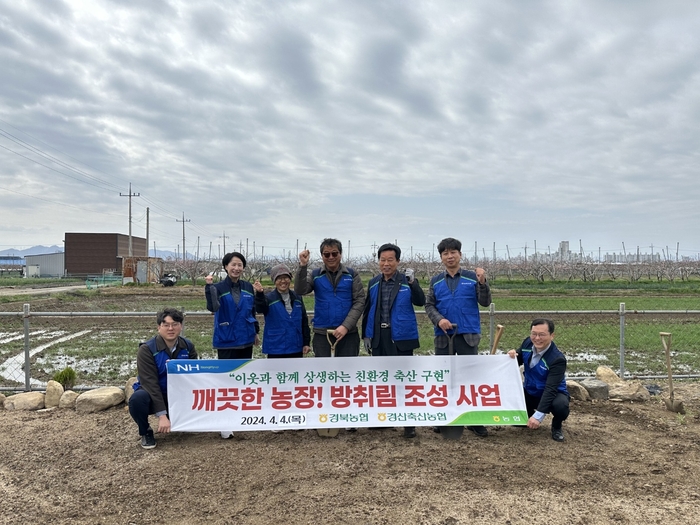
{"type": "Point", "coordinates": [233, 305]}
{"type": "Point", "coordinates": [286, 331]}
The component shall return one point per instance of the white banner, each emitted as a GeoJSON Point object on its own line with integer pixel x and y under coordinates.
{"type": "Point", "coordinates": [270, 394]}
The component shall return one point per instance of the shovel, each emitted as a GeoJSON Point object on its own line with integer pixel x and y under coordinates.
{"type": "Point", "coordinates": [329, 432]}
{"type": "Point", "coordinates": [497, 338]}
{"type": "Point", "coordinates": [673, 405]}
{"type": "Point", "coordinates": [452, 432]}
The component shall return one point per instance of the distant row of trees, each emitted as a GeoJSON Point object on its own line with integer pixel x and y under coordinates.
{"type": "Point", "coordinates": [425, 266]}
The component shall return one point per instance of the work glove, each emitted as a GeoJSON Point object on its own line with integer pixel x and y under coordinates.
{"type": "Point", "coordinates": [410, 275]}
{"type": "Point", "coordinates": [368, 345]}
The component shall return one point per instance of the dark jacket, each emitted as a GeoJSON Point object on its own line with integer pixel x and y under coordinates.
{"type": "Point", "coordinates": [547, 378]}
{"type": "Point", "coordinates": [235, 325]}
{"type": "Point", "coordinates": [404, 327]}
{"type": "Point", "coordinates": [152, 371]}
{"type": "Point", "coordinates": [320, 282]}
{"type": "Point", "coordinates": [284, 333]}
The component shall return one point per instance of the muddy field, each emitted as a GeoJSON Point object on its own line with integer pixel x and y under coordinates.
{"type": "Point", "coordinates": [629, 464]}
{"type": "Point", "coordinates": [619, 464]}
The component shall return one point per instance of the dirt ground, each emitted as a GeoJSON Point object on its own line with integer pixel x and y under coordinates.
{"type": "Point", "coordinates": [633, 464]}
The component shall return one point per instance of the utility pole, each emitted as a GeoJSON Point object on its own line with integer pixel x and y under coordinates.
{"type": "Point", "coordinates": [183, 221]}
{"type": "Point", "coordinates": [224, 238]}
{"type": "Point", "coordinates": [131, 251]}
{"type": "Point", "coordinates": [147, 227]}
{"type": "Point", "coordinates": [535, 250]}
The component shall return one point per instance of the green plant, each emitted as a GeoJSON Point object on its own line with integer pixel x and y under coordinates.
{"type": "Point", "coordinates": [66, 377]}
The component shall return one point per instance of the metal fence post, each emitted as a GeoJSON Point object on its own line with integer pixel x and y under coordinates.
{"type": "Point", "coordinates": [27, 371]}
{"type": "Point", "coordinates": [492, 321]}
{"type": "Point", "coordinates": [622, 340]}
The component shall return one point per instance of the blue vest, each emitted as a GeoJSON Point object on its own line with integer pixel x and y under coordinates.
{"type": "Point", "coordinates": [404, 326]}
{"type": "Point", "coordinates": [282, 334]}
{"type": "Point", "coordinates": [460, 307]}
{"type": "Point", "coordinates": [331, 307]}
{"type": "Point", "coordinates": [234, 324]}
{"type": "Point", "coordinates": [536, 377]}
{"type": "Point", "coordinates": [161, 357]}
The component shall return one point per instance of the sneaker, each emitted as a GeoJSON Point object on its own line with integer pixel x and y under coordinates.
{"type": "Point", "coordinates": [226, 434]}
{"type": "Point", "coordinates": [278, 431]}
{"type": "Point", "coordinates": [409, 432]}
{"type": "Point", "coordinates": [148, 441]}
{"type": "Point", "coordinates": [479, 431]}
{"type": "Point", "coordinates": [436, 430]}
{"type": "Point", "coordinates": [557, 435]}
{"type": "Point", "coordinates": [351, 429]}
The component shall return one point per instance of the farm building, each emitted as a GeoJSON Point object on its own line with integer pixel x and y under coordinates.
{"type": "Point", "coordinates": [100, 253]}
{"type": "Point", "coordinates": [46, 265]}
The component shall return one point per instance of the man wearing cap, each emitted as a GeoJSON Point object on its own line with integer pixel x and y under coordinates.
{"type": "Point", "coordinates": [389, 324]}
{"type": "Point", "coordinates": [339, 300]}
{"type": "Point", "coordinates": [286, 332]}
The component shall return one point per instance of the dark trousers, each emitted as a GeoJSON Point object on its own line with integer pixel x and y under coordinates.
{"type": "Point", "coordinates": [460, 347]}
{"type": "Point", "coordinates": [140, 407]}
{"type": "Point", "coordinates": [235, 353]}
{"type": "Point", "coordinates": [559, 409]}
{"type": "Point", "coordinates": [282, 356]}
{"type": "Point", "coordinates": [348, 346]}
{"type": "Point", "coordinates": [387, 346]}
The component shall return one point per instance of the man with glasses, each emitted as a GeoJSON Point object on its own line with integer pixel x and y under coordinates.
{"type": "Point", "coordinates": [151, 388]}
{"type": "Point", "coordinates": [453, 298]}
{"type": "Point", "coordinates": [339, 300]}
{"type": "Point", "coordinates": [544, 370]}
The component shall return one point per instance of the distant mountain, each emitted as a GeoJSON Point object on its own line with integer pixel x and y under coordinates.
{"type": "Point", "coordinates": [34, 250]}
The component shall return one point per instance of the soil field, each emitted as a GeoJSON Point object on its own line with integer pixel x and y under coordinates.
{"type": "Point", "coordinates": [620, 463]}
{"type": "Point", "coordinates": [623, 464]}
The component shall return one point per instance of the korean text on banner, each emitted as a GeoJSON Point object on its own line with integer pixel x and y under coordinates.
{"type": "Point", "coordinates": [272, 394]}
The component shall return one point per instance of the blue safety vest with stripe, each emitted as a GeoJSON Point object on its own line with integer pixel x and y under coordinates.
{"type": "Point", "coordinates": [234, 324]}
{"type": "Point", "coordinates": [332, 306]}
{"type": "Point", "coordinates": [404, 326]}
{"type": "Point", "coordinates": [459, 307]}
{"type": "Point", "coordinates": [161, 357]}
{"type": "Point", "coordinates": [536, 377]}
{"type": "Point", "coordinates": [282, 333]}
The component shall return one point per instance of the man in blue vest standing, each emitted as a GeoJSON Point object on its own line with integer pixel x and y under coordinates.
{"type": "Point", "coordinates": [453, 298]}
{"type": "Point", "coordinates": [339, 298]}
{"type": "Point", "coordinates": [389, 324]}
{"type": "Point", "coordinates": [544, 370]}
{"type": "Point", "coordinates": [151, 388]}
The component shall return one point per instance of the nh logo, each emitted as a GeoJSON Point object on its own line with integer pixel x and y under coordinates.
{"type": "Point", "coordinates": [186, 367]}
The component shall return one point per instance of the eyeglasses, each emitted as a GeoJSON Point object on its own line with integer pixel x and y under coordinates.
{"type": "Point", "coordinates": [328, 255]}
{"type": "Point", "coordinates": [533, 335]}
{"type": "Point", "coordinates": [169, 325]}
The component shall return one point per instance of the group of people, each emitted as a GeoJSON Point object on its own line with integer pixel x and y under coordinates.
{"type": "Point", "coordinates": [389, 326]}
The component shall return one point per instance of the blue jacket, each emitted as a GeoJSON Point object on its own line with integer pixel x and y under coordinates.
{"type": "Point", "coordinates": [404, 327]}
{"type": "Point", "coordinates": [460, 307]}
{"type": "Point", "coordinates": [331, 305]}
{"type": "Point", "coordinates": [235, 325]}
{"type": "Point", "coordinates": [547, 378]}
{"type": "Point", "coordinates": [152, 370]}
{"type": "Point", "coordinates": [284, 333]}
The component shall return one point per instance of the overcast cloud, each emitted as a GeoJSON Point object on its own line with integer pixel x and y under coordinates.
{"type": "Point", "coordinates": [505, 122]}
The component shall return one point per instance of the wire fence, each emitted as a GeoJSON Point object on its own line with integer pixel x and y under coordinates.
{"type": "Point", "coordinates": [101, 346]}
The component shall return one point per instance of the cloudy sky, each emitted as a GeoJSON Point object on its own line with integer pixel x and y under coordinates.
{"type": "Point", "coordinates": [276, 121]}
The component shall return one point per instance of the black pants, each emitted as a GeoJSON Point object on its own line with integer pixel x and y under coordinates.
{"type": "Point", "coordinates": [235, 353]}
{"type": "Point", "coordinates": [140, 407]}
{"type": "Point", "coordinates": [460, 347]}
{"type": "Point", "coordinates": [348, 346]}
{"type": "Point", "coordinates": [282, 356]}
{"type": "Point", "coordinates": [559, 409]}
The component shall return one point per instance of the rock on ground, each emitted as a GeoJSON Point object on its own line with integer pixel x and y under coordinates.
{"type": "Point", "coordinates": [99, 399]}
